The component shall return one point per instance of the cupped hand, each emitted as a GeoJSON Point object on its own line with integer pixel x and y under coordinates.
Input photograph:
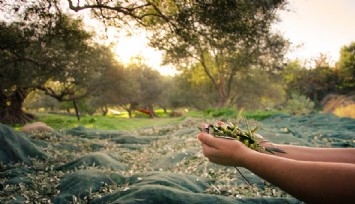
{"type": "Point", "coordinates": [223, 151]}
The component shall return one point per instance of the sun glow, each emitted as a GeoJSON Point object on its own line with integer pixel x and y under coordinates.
{"type": "Point", "coordinates": [130, 46]}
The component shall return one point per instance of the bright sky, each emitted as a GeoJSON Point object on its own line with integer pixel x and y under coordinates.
{"type": "Point", "coordinates": [137, 45]}
{"type": "Point", "coordinates": [321, 26]}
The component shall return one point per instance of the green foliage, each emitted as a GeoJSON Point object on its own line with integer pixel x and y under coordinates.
{"type": "Point", "coordinates": [85, 106]}
{"type": "Point", "coordinates": [121, 122]}
{"type": "Point", "coordinates": [36, 100]}
{"type": "Point", "coordinates": [257, 89]}
{"type": "Point", "coordinates": [195, 114]}
{"type": "Point", "coordinates": [260, 115]}
{"type": "Point", "coordinates": [221, 112]}
{"type": "Point", "coordinates": [112, 122]}
{"type": "Point", "coordinates": [314, 83]}
{"type": "Point", "coordinates": [143, 87]}
{"type": "Point", "coordinates": [299, 104]}
{"type": "Point", "coordinates": [201, 40]}
{"type": "Point", "coordinates": [233, 113]}
{"type": "Point", "coordinates": [346, 68]}
{"type": "Point", "coordinates": [52, 53]}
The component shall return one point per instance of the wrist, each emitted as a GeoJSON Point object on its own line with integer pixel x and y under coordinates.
{"type": "Point", "coordinates": [245, 159]}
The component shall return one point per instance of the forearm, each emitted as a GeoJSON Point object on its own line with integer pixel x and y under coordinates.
{"type": "Point", "coordinates": [341, 155]}
{"type": "Point", "coordinates": [313, 182]}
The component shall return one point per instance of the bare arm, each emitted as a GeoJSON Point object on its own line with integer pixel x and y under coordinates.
{"type": "Point", "coordinates": [341, 155]}
{"type": "Point", "coordinates": [312, 182]}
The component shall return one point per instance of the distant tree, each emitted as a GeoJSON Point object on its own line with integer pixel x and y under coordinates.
{"type": "Point", "coordinates": [142, 88]}
{"type": "Point", "coordinates": [170, 97]}
{"type": "Point", "coordinates": [257, 89]}
{"type": "Point", "coordinates": [92, 72]}
{"type": "Point", "coordinates": [109, 91]}
{"type": "Point", "coordinates": [194, 89]}
{"type": "Point", "coordinates": [252, 89]}
{"type": "Point", "coordinates": [322, 80]}
{"type": "Point", "coordinates": [314, 83]}
{"type": "Point", "coordinates": [293, 74]}
{"type": "Point", "coordinates": [346, 68]}
{"type": "Point", "coordinates": [37, 100]}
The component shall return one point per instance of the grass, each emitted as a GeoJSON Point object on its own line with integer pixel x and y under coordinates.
{"type": "Point", "coordinates": [122, 122]}
{"type": "Point", "coordinates": [230, 113]}
{"type": "Point", "coordinates": [260, 115]}
{"type": "Point", "coordinates": [110, 122]}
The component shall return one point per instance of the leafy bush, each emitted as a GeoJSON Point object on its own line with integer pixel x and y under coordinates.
{"type": "Point", "coordinates": [222, 112]}
{"type": "Point", "coordinates": [228, 113]}
{"type": "Point", "coordinates": [261, 115]}
{"type": "Point", "coordinates": [299, 104]}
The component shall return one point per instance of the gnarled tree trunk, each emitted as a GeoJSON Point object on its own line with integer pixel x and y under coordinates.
{"type": "Point", "coordinates": [11, 107]}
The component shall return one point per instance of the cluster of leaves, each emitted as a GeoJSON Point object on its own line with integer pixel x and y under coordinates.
{"type": "Point", "coordinates": [222, 112]}
{"type": "Point", "coordinates": [320, 80]}
{"type": "Point", "coordinates": [235, 132]}
{"type": "Point", "coordinates": [44, 49]}
{"type": "Point", "coordinates": [299, 104]}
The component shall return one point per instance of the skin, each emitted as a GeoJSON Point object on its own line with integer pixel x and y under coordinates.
{"type": "Point", "coordinates": [313, 175]}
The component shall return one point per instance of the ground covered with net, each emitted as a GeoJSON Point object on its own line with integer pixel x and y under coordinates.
{"type": "Point", "coordinates": [150, 165]}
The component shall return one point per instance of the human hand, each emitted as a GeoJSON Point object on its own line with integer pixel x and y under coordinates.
{"type": "Point", "coordinates": [223, 151]}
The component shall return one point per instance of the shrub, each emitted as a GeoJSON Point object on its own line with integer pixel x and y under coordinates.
{"type": "Point", "coordinates": [299, 104]}
{"type": "Point", "coordinates": [222, 112]}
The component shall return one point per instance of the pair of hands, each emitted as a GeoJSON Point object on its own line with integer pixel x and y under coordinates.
{"type": "Point", "coordinates": [223, 151]}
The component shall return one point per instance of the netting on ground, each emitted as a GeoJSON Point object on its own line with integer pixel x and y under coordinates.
{"type": "Point", "coordinates": [151, 165]}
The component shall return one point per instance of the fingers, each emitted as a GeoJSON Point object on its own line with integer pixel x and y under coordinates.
{"type": "Point", "coordinates": [204, 127]}
{"type": "Point", "coordinates": [207, 139]}
{"type": "Point", "coordinates": [220, 123]}
{"type": "Point", "coordinates": [209, 151]}
{"type": "Point", "coordinates": [217, 150]}
{"type": "Point", "coordinates": [208, 145]}
{"type": "Point", "coordinates": [258, 136]}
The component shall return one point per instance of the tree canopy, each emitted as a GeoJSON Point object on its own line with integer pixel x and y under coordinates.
{"type": "Point", "coordinates": [50, 52]}
{"type": "Point", "coordinates": [346, 67]}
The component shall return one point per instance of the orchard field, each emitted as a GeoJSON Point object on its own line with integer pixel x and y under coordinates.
{"type": "Point", "coordinates": [154, 161]}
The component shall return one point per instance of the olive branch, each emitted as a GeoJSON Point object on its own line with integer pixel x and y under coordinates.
{"type": "Point", "coordinates": [248, 137]}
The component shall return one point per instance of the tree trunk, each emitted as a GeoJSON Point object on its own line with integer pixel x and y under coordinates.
{"type": "Point", "coordinates": [128, 108]}
{"type": "Point", "coordinates": [129, 113]}
{"type": "Point", "coordinates": [76, 109]}
{"type": "Point", "coordinates": [11, 108]}
{"type": "Point", "coordinates": [152, 112]}
{"type": "Point", "coordinates": [165, 109]}
{"type": "Point", "coordinates": [104, 110]}
{"type": "Point", "coordinates": [222, 97]}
